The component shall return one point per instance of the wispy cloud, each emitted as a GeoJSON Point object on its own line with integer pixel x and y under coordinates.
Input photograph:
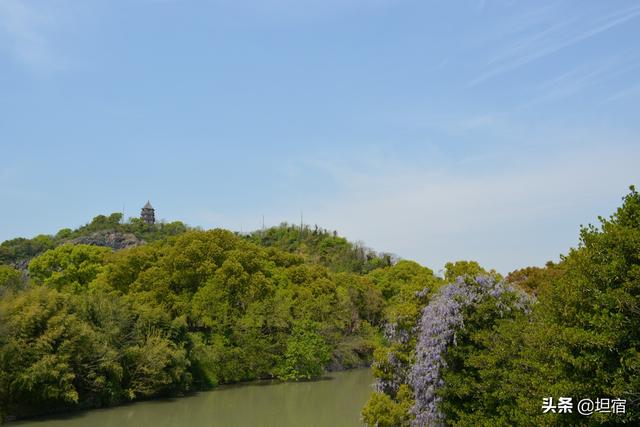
{"type": "Point", "coordinates": [633, 91]}
{"type": "Point", "coordinates": [545, 37]}
{"type": "Point", "coordinates": [573, 82]}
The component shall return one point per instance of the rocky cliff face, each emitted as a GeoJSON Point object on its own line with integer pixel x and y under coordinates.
{"type": "Point", "coordinates": [111, 239]}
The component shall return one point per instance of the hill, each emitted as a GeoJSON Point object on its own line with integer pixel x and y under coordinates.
{"type": "Point", "coordinates": [180, 309]}
{"type": "Point", "coordinates": [109, 231]}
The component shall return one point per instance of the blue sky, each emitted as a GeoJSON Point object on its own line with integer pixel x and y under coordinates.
{"type": "Point", "coordinates": [437, 130]}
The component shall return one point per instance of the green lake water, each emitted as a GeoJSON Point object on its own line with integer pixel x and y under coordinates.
{"type": "Point", "coordinates": [334, 401]}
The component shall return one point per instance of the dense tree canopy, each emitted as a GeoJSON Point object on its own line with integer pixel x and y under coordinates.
{"type": "Point", "coordinates": [493, 360]}
{"type": "Point", "coordinates": [96, 327]}
{"type": "Point", "coordinates": [11, 280]}
{"type": "Point", "coordinates": [87, 326]}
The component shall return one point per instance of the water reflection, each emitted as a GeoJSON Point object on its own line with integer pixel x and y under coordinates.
{"type": "Point", "coordinates": [335, 401]}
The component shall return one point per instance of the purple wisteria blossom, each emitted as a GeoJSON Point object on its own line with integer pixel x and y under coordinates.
{"type": "Point", "coordinates": [397, 369]}
{"type": "Point", "coordinates": [441, 318]}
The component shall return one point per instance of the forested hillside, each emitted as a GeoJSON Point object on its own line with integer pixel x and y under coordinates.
{"type": "Point", "coordinates": [321, 246]}
{"type": "Point", "coordinates": [179, 310]}
{"type": "Point", "coordinates": [91, 326]}
{"type": "Point", "coordinates": [103, 230]}
{"type": "Point", "coordinates": [487, 351]}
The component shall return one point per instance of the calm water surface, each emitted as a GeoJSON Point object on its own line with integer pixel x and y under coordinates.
{"type": "Point", "coordinates": [335, 401]}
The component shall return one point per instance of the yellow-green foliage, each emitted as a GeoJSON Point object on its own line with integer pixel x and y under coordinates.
{"type": "Point", "coordinates": [383, 411]}
{"type": "Point", "coordinates": [97, 327]}
{"type": "Point", "coordinates": [69, 267]}
{"type": "Point", "coordinates": [11, 280]}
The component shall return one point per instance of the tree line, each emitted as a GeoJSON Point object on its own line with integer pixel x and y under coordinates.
{"type": "Point", "coordinates": [487, 350]}
{"type": "Point", "coordinates": [88, 326]}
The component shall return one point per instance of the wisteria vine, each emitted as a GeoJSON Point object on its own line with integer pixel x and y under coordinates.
{"type": "Point", "coordinates": [436, 329]}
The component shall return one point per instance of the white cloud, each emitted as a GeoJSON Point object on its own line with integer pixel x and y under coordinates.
{"type": "Point", "coordinates": [509, 214]}
{"type": "Point", "coordinates": [506, 217]}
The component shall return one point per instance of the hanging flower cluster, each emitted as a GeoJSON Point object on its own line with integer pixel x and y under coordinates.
{"type": "Point", "coordinates": [441, 318]}
{"type": "Point", "coordinates": [395, 367]}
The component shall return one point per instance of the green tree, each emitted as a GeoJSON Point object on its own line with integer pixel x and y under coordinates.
{"type": "Point", "coordinates": [21, 249]}
{"type": "Point", "coordinates": [50, 357]}
{"type": "Point", "coordinates": [306, 353]}
{"type": "Point", "coordinates": [383, 411]}
{"type": "Point", "coordinates": [11, 280]}
{"type": "Point", "coordinates": [591, 315]}
{"type": "Point", "coordinates": [70, 267]}
{"type": "Point", "coordinates": [581, 339]}
{"type": "Point", "coordinates": [453, 270]}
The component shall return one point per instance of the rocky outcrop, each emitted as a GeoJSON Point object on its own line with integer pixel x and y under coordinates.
{"type": "Point", "coordinates": [111, 239]}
